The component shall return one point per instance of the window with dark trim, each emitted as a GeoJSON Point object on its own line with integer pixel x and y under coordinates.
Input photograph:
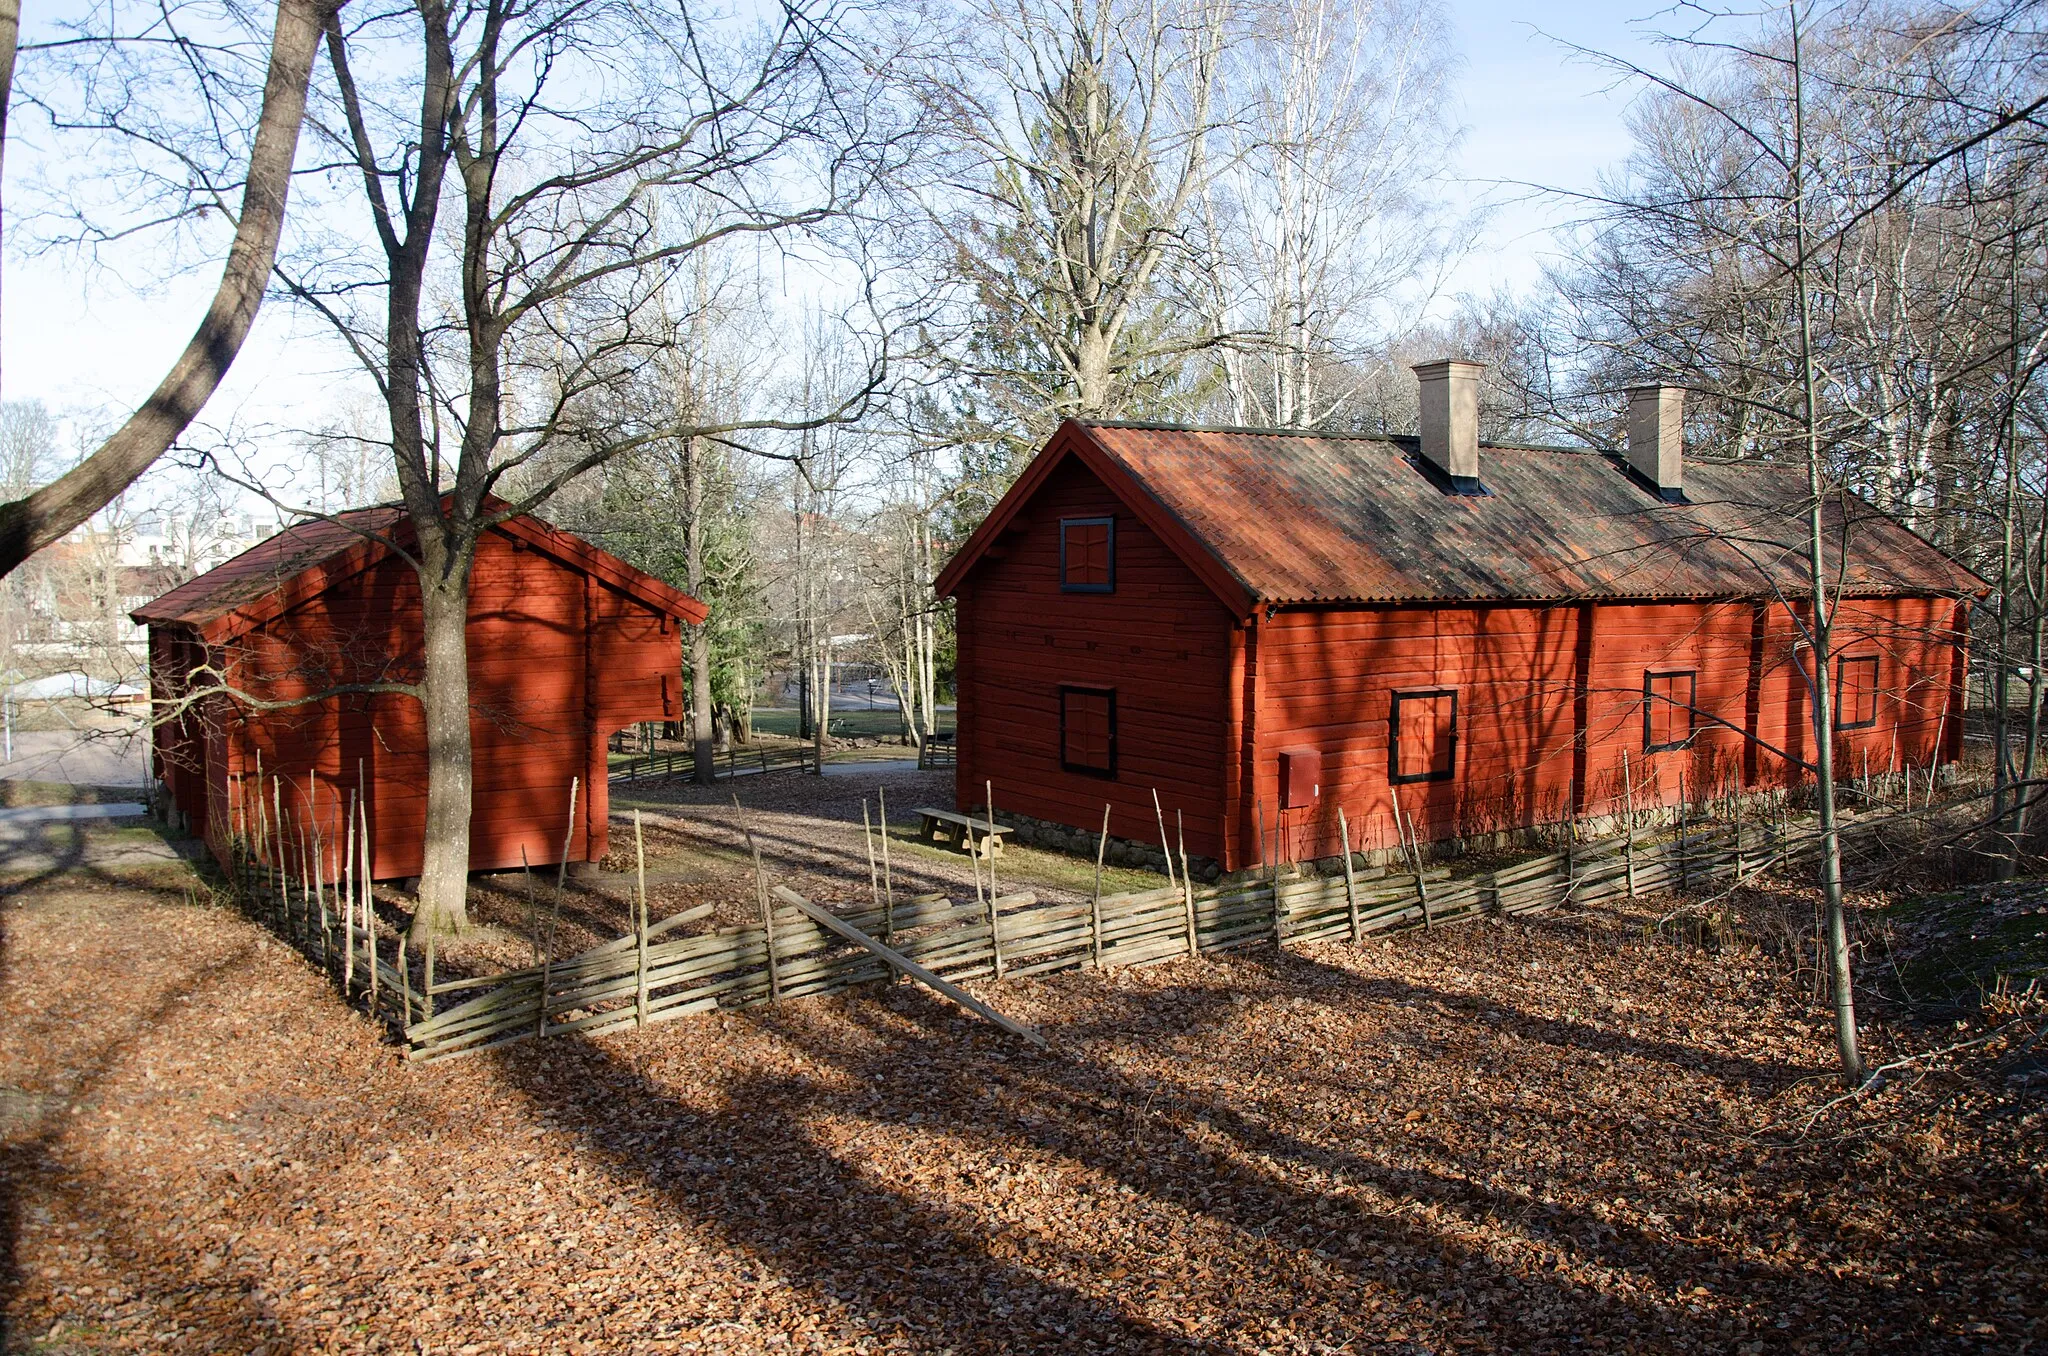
{"type": "Point", "coordinates": [1856, 692]}
{"type": "Point", "coordinates": [1088, 555]}
{"type": "Point", "coordinates": [1668, 701]}
{"type": "Point", "coordinates": [1088, 730]}
{"type": "Point", "coordinates": [1422, 736]}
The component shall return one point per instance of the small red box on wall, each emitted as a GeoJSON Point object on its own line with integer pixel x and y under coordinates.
{"type": "Point", "coordinates": [1301, 777]}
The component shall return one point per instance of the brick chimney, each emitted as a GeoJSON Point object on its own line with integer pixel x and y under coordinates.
{"type": "Point", "coordinates": [1450, 420]}
{"type": "Point", "coordinates": [1656, 438]}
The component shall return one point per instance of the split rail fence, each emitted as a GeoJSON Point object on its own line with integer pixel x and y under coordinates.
{"type": "Point", "coordinates": [659, 971]}
{"type": "Point", "coordinates": [683, 763]}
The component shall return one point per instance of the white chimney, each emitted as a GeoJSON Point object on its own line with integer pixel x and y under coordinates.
{"type": "Point", "coordinates": [1450, 420]}
{"type": "Point", "coordinates": [1656, 438]}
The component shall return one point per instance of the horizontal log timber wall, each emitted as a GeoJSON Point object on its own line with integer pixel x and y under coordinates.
{"type": "Point", "coordinates": [600, 990]}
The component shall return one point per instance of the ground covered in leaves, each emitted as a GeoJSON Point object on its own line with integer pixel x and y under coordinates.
{"type": "Point", "coordinates": [1562, 1134]}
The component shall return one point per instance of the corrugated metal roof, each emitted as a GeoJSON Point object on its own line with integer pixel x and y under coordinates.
{"type": "Point", "coordinates": [308, 556]}
{"type": "Point", "coordinates": [267, 566]}
{"type": "Point", "coordinates": [1303, 517]}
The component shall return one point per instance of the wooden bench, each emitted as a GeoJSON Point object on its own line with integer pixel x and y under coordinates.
{"type": "Point", "coordinates": [962, 832]}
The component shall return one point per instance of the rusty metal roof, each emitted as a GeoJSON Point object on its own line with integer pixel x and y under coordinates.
{"type": "Point", "coordinates": [1306, 517]}
{"type": "Point", "coordinates": [306, 558]}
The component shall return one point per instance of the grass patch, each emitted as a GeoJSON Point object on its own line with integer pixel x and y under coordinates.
{"type": "Point", "coordinates": [1954, 946]}
{"type": "Point", "coordinates": [1028, 866]}
{"type": "Point", "coordinates": [14, 794]}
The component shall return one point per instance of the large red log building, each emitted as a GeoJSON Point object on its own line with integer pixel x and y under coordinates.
{"type": "Point", "coordinates": [567, 644]}
{"type": "Point", "coordinates": [1267, 626]}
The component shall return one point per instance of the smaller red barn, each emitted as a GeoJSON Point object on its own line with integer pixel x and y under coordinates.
{"type": "Point", "coordinates": [567, 644]}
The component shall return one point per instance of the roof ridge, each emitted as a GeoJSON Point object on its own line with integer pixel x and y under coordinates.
{"type": "Point", "coordinates": [1406, 440]}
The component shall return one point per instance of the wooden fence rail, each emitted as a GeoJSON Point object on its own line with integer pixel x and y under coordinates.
{"type": "Point", "coordinates": [596, 990]}
{"type": "Point", "coordinates": [660, 970]}
{"type": "Point", "coordinates": [683, 763]}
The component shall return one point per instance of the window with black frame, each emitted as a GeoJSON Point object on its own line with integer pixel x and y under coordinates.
{"type": "Point", "coordinates": [1856, 692]}
{"type": "Point", "coordinates": [1422, 736]}
{"type": "Point", "coordinates": [1668, 708]}
{"type": "Point", "coordinates": [1088, 555]}
{"type": "Point", "coordinates": [1088, 730]}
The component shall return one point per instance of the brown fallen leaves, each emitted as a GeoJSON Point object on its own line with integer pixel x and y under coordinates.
{"type": "Point", "coordinates": [1544, 1135]}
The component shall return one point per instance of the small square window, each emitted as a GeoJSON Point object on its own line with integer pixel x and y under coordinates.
{"type": "Point", "coordinates": [1668, 715]}
{"type": "Point", "coordinates": [1856, 692]}
{"type": "Point", "coordinates": [1423, 736]}
{"type": "Point", "coordinates": [1088, 555]}
{"type": "Point", "coordinates": [1088, 730]}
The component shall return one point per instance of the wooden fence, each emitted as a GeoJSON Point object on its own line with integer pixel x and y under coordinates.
{"type": "Point", "coordinates": [660, 972]}
{"type": "Point", "coordinates": [683, 763]}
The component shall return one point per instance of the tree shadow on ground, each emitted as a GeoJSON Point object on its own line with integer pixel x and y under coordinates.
{"type": "Point", "coordinates": [1343, 1236]}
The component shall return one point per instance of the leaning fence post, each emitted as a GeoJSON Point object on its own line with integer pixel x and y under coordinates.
{"type": "Point", "coordinates": [867, 837]}
{"type": "Point", "coordinates": [1272, 871]}
{"type": "Point", "coordinates": [1350, 885]}
{"type": "Point", "coordinates": [767, 908]}
{"type": "Point", "coordinates": [1628, 791]}
{"type": "Point", "coordinates": [888, 882]}
{"type": "Point", "coordinates": [1095, 904]}
{"type": "Point", "coordinates": [640, 946]}
{"type": "Point", "coordinates": [568, 837]}
{"type": "Point", "coordinates": [1571, 835]}
{"type": "Point", "coordinates": [1187, 881]}
{"type": "Point", "coordinates": [995, 932]}
{"type": "Point", "coordinates": [1411, 843]}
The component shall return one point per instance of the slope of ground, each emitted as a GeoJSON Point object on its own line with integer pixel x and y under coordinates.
{"type": "Point", "coordinates": [1564, 1134]}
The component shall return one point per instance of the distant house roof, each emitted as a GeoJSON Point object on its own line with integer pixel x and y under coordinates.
{"type": "Point", "coordinates": [307, 559]}
{"type": "Point", "coordinates": [1270, 517]}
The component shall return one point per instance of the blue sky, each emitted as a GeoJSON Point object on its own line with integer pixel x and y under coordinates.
{"type": "Point", "coordinates": [81, 340]}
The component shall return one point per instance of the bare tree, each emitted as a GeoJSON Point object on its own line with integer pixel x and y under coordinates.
{"type": "Point", "coordinates": [1327, 203]}
{"type": "Point", "coordinates": [1741, 167]}
{"type": "Point", "coordinates": [553, 131]}
{"type": "Point", "coordinates": [33, 521]}
{"type": "Point", "coordinates": [1081, 148]}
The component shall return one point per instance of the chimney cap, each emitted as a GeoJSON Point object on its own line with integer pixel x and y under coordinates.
{"type": "Point", "coordinates": [1438, 367]}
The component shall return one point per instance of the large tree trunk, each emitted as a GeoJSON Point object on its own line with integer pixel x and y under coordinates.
{"type": "Point", "coordinates": [700, 634]}
{"type": "Point", "coordinates": [444, 877]}
{"type": "Point", "coordinates": [29, 524]}
{"type": "Point", "coordinates": [10, 34]}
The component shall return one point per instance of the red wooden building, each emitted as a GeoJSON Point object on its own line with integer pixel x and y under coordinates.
{"type": "Point", "coordinates": [567, 644]}
{"type": "Point", "coordinates": [1267, 626]}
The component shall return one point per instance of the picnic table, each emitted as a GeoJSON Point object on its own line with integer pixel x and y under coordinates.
{"type": "Point", "coordinates": [947, 828]}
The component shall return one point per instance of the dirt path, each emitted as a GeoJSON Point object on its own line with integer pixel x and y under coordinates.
{"type": "Point", "coordinates": [809, 833]}
{"type": "Point", "coordinates": [1535, 1137]}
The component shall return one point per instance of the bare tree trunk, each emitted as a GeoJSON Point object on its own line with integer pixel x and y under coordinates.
{"type": "Point", "coordinates": [1822, 620]}
{"type": "Point", "coordinates": [29, 524]}
{"type": "Point", "coordinates": [700, 634]}
{"type": "Point", "coordinates": [444, 874]}
{"type": "Point", "coordinates": [10, 34]}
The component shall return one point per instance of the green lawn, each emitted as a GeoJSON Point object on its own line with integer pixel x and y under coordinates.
{"type": "Point", "coordinates": [782, 720]}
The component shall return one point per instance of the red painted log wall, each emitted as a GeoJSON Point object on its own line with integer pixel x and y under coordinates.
{"type": "Point", "coordinates": [1527, 676]}
{"type": "Point", "coordinates": [558, 660]}
{"type": "Point", "coordinates": [1206, 701]}
{"type": "Point", "coordinates": [1161, 640]}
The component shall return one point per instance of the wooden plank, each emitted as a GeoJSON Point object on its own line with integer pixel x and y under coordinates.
{"type": "Point", "coordinates": [909, 967]}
